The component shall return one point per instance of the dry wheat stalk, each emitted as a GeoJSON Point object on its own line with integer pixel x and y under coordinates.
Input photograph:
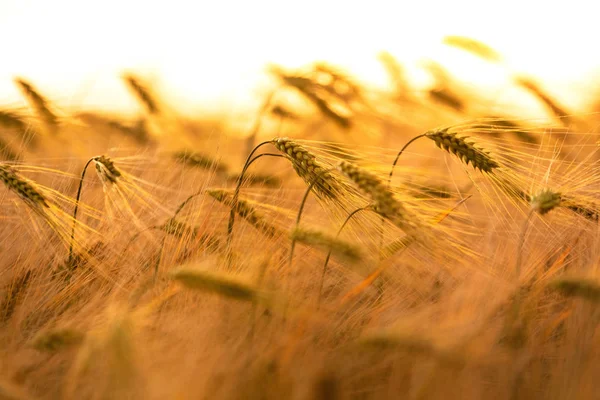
{"type": "Point", "coordinates": [39, 104]}
{"type": "Point", "coordinates": [246, 211]}
{"type": "Point", "coordinates": [326, 242]}
{"type": "Point", "coordinates": [309, 168]}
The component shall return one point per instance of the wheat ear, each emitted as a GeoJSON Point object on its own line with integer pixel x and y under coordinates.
{"type": "Point", "coordinates": [38, 103]}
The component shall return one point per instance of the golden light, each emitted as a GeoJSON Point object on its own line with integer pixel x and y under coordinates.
{"type": "Point", "coordinates": [211, 55]}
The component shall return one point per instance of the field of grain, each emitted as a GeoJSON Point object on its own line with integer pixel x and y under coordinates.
{"type": "Point", "coordinates": [342, 243]}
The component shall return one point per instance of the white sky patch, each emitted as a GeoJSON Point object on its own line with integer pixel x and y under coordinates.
{"type": "Point", "coordinates": [211, 55]}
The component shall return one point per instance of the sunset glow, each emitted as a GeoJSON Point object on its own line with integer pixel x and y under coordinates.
{"type": "Point", "coordinates": [212, 55]}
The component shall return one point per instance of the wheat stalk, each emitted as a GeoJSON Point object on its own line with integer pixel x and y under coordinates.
{"type": "Point", "coordinates": [108, 173]}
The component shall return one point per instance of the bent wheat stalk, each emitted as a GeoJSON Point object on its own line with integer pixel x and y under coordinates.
{"type": "Point", "coordinates": [460, 146]}
{"type": "Point", "coordinates": [108, 172]}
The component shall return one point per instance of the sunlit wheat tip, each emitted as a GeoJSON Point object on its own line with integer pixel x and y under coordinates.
{"type": "Point", "coordinates": [106, 169]}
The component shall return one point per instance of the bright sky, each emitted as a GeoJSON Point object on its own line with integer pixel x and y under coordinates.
{"type": "Point", "coordinates": [211, 53]}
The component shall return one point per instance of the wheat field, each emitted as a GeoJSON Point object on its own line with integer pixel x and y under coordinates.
{"type": "Point", "coordinates": [345, 243]}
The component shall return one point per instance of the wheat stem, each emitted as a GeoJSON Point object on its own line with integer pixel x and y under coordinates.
{"type": "Point", "coordinates": [325, 264]}
{"type": "Point", "coordinates": [236, 195]}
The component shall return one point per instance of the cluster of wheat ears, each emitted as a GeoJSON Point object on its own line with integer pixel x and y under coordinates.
{"type": "Point", "coordinates": [389, 270]}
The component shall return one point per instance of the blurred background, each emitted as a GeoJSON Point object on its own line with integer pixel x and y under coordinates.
{"type": "Point", "coordinates": [210, 56]}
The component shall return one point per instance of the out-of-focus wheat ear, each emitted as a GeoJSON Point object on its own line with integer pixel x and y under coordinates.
{"type": "Point", "coordinates": [321, 240]}
{"type": "Point", "coordinates": [178, 229]}
{"type": "Point", "coordinates": [326, 263]}
{"type": "Point", "coordinates": [39, 104]}
{"type": "Point", "coordinates": [542, 203]}
{"type": "Point", "coordinates": [577, 287]}
{"type": "Point", "coordinates": [198, 160]}
{"type": "Point", "coordinates": [585, 208]}
{"type": "Point", "coordinates": [13, 294]}
{"type": "Point", "coordinates": [409, 342]}
{"type": "Point", "coordinates": [57, 339]}
{"type": "Point", "coordinates": [326, 386]}
{"type": "Point", "coordinates": [251, 138]}
{"type": "Point", "coordinates": [545, 201]}
{"type": "Point", "coordinates": [143, 94]}
{"type": "Point", "coordinates": [271, 181]}
{"type": "Point", "coordinates": [223, 285]}
{"type": "Point", "coordinates": [532, 87]}
{"type": "Point", "coordinates": [12, 391]}
{"type": "Point", "coordinates": [309, 89]}
{"type": "Point", "coordinates": [6, 153]}
{"type": "Point", "coordinates": [309, 168]}
{"type": "Point", "coordinates": [245, 210]}
{"type": "Point", "coordinates": [474, 47]}
{"type": "Point", "coordinates": [11, 120]}
{"type": "Point", "coordinates": [396, 73]}
{"type": "Point", "coordinates": [384, 201]}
